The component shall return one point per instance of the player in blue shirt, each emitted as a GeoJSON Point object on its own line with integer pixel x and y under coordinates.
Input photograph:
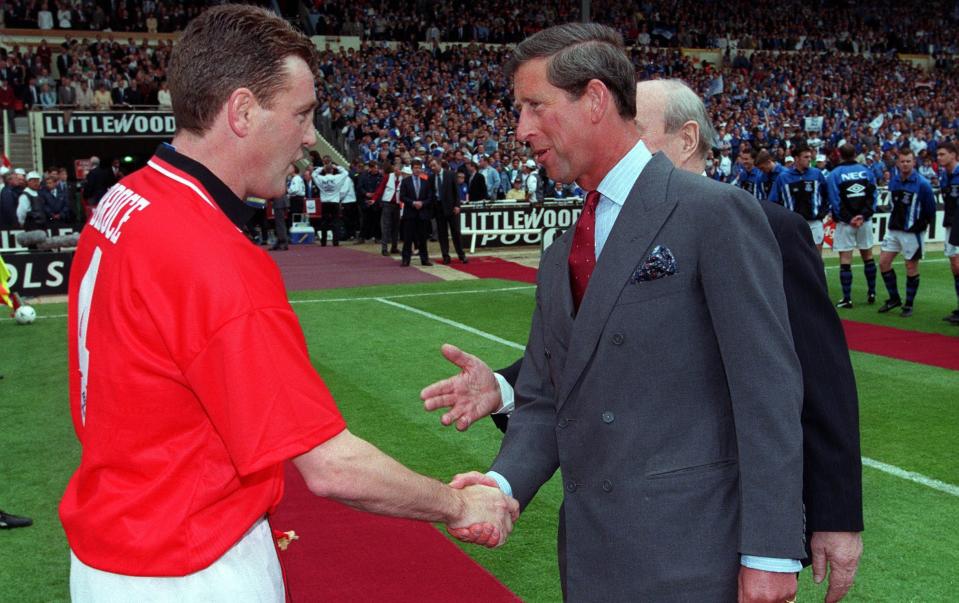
{"type": "Point", "coordinates": [852, 193]}
{"type": "Point", "coordinates": [749, 177]}
{"type": "Point", "coordinates": [803, 190]}
{"type": "Point", "coordinates": [913, 209]}
{"type": "Point", "coordinates": [948, 160]}
{"type": "Point", "coordinates": [771, 171]}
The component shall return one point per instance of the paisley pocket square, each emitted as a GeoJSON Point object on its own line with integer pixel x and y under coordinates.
{"type": "Point", "coordinates": [660, 263]}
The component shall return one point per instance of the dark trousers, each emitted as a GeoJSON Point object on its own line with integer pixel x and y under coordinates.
{"type": "Point", "coordinates": [351, 219]}
{"type": "Point", "coordinates": [297, 205]}
{"type": "Point", "coordinates": [390, 225]}
{"type": "Point", "coordinates": [279, 225]}
{"type": "Point", "coordinates": [416, 230]}
{"type": "Point", "coordinates": [449, 226]}
{"type": "Point", "coordinates": [370, 221]}
{"type": "Point", "coordinates": [331, 218]}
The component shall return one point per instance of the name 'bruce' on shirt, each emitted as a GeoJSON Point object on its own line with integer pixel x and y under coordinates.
{"type": "Point", "coordinates": [113, 211]}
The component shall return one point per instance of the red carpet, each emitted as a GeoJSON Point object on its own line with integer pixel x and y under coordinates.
{"type": "Point", "coordinates": [901, 344]}
{"type": "Point", "coordinates": [346, 555]}
{"type": "Point", "coordinates": [313, 267]}
{"type": "Point", "coordinates": [492, 267]}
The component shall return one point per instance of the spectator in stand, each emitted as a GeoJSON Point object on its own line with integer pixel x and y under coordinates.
{"type": "Point", "coordinates": [163, 96]}
{"type": "Point", "coordinates": [476, 182]}
{"type": "Point", "coordinates": [492, 177]}
{"type": "Point", "coordinates": [102, 99]}
{"type": "Point", "coordinates": [8, 104]}
{"type": "Point", "coordinates": [532, 183]}
{"type": "Point", "coordinates": [516, 193]}
{"type": "Point", "coordinates": [48, 97]}
{"type": "Point", "coordinates": [44, 16]}
{"type": "Point", "coordinates": [463, 189]}
{"type": "Point", "coordinates": [84, 94]}
{"type": "Point", "coordinates": [67, 93]}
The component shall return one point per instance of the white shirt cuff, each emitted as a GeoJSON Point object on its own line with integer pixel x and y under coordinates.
{"type": "Point", "coordinates": [501, 482]}
{"type": "Point", "coordinates": [769, 564]}
{"type": "Point", "coordinates": [506, 395]}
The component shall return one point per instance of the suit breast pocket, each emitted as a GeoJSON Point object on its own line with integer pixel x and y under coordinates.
{"type": "Point", "coordinates": [640, 291]}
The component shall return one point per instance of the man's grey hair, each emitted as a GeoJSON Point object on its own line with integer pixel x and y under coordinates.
{"type": "Point", "coordinates": [682, 105]}
{"type": "Point", "coordinates": [94, 161]}
{"type": "Point", "coordinates": [578, 53]}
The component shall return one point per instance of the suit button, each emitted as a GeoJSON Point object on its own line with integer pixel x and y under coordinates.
{"type": "Point", "coordinates": [548, 354]}
{"type": "Point", "coordinates": [607, 485]}
{"type": "Point", "coordinates": [608, 417]}
{"type": "Point", "coordinates": [563, 423]}
{"type": "Point", "coordinates": [618, 339]}
{"type": "Point", "coordinates": [571, 486]}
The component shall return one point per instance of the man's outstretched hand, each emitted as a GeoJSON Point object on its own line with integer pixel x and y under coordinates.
{"type": "Point", "coordinates": [470, 395]}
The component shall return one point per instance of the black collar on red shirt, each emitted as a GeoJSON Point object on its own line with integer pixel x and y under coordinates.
{"type": "Point", "coordinates": [235, 209]}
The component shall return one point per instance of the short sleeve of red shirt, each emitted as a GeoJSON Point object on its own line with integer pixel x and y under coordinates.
{"type": "Point", "coordinates": [256, 383]}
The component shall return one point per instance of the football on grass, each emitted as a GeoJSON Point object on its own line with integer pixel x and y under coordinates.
{"type": "Point", "coordinates": [25, 315]}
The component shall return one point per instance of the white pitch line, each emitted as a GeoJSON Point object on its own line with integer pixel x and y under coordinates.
{"type": "Point", "coordinates": [453, 323]}
{"type": "Point", "coordinates": [352, 299]}
{"type": "Point", "coordinates": [405, 295]}
{"type": "Point", "coordinates": [911, 476]}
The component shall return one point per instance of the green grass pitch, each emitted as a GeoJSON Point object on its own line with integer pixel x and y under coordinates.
{"type": "Point", "coordinates": [910, 419]}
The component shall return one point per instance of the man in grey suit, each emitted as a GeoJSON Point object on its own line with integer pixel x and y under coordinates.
{"type": "Point", "coordinates": [683, 476]}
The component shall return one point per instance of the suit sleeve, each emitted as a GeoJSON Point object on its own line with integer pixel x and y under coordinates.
{"type": "Point", "coordinates": [528, 456]}
{"type": "Point", "coordinates": [511, 374]}
{"type": "Point", "coordinates": [426, 194]}
{"type": "Point", "coordinates": [406, 192]}
{"type": "Point", "coordinates": [742, 283]}
{"type": "Point", "coordinates": [832, 468]}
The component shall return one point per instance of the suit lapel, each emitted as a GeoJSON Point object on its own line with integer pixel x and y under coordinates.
{"type": "Point", "coordinates": [640, 220]}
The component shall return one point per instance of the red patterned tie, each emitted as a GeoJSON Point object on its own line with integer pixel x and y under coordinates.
{"type": "Point", "coordinates": [582, 256]}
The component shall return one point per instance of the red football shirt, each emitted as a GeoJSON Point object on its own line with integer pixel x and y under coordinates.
{"type": "Point", "coordinates": [190, 381]}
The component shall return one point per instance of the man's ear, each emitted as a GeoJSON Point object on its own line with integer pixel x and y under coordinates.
{"type": "Point", "coordinates": [241, 110]}
{"type": "Point", "coordinates": [689, 135]}
{"type": "Point", "coordinates": [598, 98]}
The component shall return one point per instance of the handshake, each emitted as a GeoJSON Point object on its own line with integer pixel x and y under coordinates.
{"type": "Point", "coordinates": [485, 515]}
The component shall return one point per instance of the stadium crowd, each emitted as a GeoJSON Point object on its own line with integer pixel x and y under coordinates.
{"type": "Point", "coordinates": [455, 103]}
{"type": "Point", "coordinates": [87, 74]}
{"type": "Point", "coordinates": [731, 24]}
